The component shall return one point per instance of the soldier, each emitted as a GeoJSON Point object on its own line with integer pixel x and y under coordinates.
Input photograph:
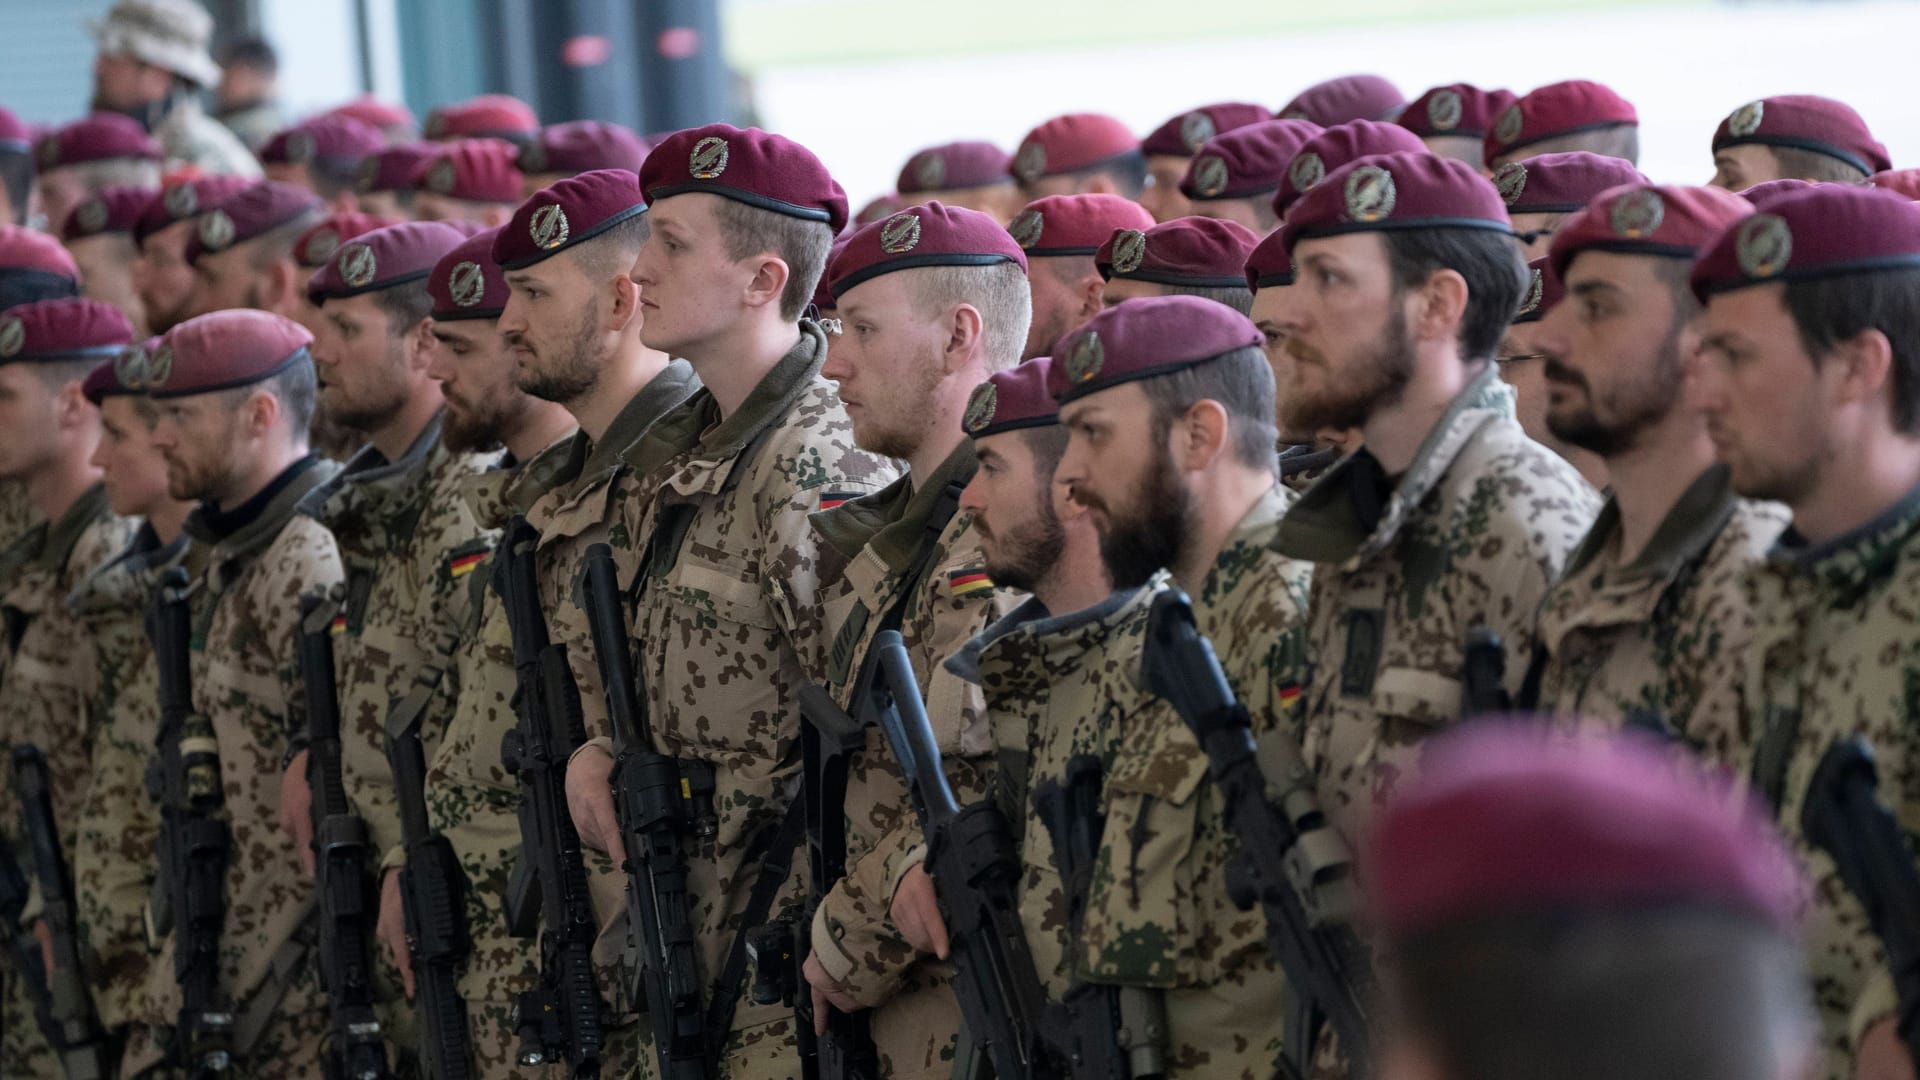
{"type": "Point", "coordinates": [385, 184]}
{"type": "Point", "coordinates": [247, 98]}
{"type": "Point", "coordinates": [470, 798]}
{"type": "Point", "coordinates": [487, 116]}
{"type": "Point", "coordinates": [312, 251]}
{"type": "Point", "coordinates": [1523, 366]}
{"type": "Point", "coordinates": [1346, 98]}
{"type": "Point", "coordinates": [1234, 176]}
{"type": "Point", "coordinates": [1571, 115]}
{"type": "Point", "coordinates": [1592, 911]}
{"type": "Point", "coordinates": [1795, 137]}
{"type": "Point", "coordinates": [241, 250]}
{"type": "Point", "coordinates": [1304, 455]}
{"type": "Point", "coordinates": [118, 828]}
{"type": "Point", "coordinates": [1649, 620]}
{"type": "Point", "coordinates": [1078, 154]}
{"type": "Point", "coordinates": [99, 235]}
{"type": "Point", "coordinates": [88, 156]}
{"type": "Point", "coordinates": [162, 275]}
{"type": "Point", "coordinates": [971, 175]}
{"type": "Point", "coordinates": [469, 180]}
{"type": "Point", "coordinates": [235, 391]}
{"type": "Point", "coordinates": [323, 155]}
{"type": "Point", "coordinates": [1812, 305]}
{"type": "Point", "coordinates": [932, 301]}
{"type": "Point", "coordinates": [1061, 234]}
{"type": "Point", "coordinates": [394, 121]}
{"type": "Point", "coordinates": [16, 170]}
{"type": "Point", "coordinates": [49, 666]}
{"type": "Point", "coordinates": [33, 266]}
{"type": "Point", "coordinates": [153, 65]}
{"type": "Point", "coordinates": [1192, 256]}
{"type": "Point", "coordinates": [1335, 147]}
{"type": "Point", "coordinates": [1541, 192]}
{"type": "Point", "coordinates": [728, 611]}
{"type": "Point", "coordinates": [577, 146]}
{"type": "Point", "coordinates": [1169, 149]}
{"type": "Point", "coordinates": [1449, 518]}
{"type": "Point", "coordinates": [1453, 120]}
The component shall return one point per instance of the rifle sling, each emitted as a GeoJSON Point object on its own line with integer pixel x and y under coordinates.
{"type": "Point", "coordinates": [776, 866]}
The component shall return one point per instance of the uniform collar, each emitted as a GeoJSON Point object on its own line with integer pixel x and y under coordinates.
{"type": "Point", "coordinates": [1854, 560]}
{"type": "Point", "coordinates": [772, 398]}
{"type": "Point", "coordinates": [258, 520]}
{"type": "Point", "coordinates": [892, 521]}
{"type": "Point", "coordinates": [1688, 529]}
{"type": "Point", "coordinates": [1031, 623]}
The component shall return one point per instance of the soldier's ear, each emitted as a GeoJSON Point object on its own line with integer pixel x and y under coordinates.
{"type": "Point", "coordinates": [420, 345]}
{"type": "Point", "coordinates": [964, 332]}
{"type": "Point", "coordinates": [769, 281]}
{"type": "Point", "coordinates": [1865, 363]}
{"type": "Point", "coordinates": [626, 302]}
{"type": "Point", "coordinates": [1093, 289]}
{"type": "Point", "coordinates": [1441, 304]}
{"type": "Point", "coordinates": [1202, 436]}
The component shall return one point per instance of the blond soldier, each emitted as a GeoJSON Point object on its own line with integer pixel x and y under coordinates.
{"type": "Point", "coordinates": [1650, 620]}
{"type": "Point", "coordinates": [235, 391]}
{"type": "Point", "coordinates": [1449, 518]}
{"type": "Point", "coordinates": [931, 301]}
{"type": "Point", "coordinates": [728, 614]}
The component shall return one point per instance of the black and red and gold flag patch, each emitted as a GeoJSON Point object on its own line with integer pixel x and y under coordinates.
{"type": "Point", "coordinates": [461, 565]}
{"type": "Point", "coordinates": [831, 499]}
{"type": "Point", "coordinates": [969, 581]}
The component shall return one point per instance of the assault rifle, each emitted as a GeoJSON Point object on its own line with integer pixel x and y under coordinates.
{"type": "Point", "coordinates": [433, 897]}
{"type": "Point", "coordinates": [65, 1005]}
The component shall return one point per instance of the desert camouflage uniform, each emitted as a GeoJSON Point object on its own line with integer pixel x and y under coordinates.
{"type": "Point", "coordinates": [1837, 654]}
{"type": "Point", "coordinates": [114, 865]}
{"type": "Point", "coordinates": [1471, 535]}
{"type": "Point", "coordinates": [50, 669]}
{"type": "Point", "coordinates": [16, 513]}
{"type": "Point", "coordinates": [939, 580]}
{"type": "Point", "coordinates": [1660, 641]}
{"type": "Point", "coordinates": [728, 621]}
{"type": "Point", "coordinates": [188, 136]}
{"type": "Point", "coordinates": [246, 681]}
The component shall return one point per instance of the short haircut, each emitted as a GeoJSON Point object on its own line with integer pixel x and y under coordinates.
{"type": "Point", "coordinates": [614, 251]}
{"type": "Point", "coordinates": [1128, 171]}
{"type": "Point", "coordinates": [333, 177]}
{"type": "Point", "coordinates": [16, 176]}
{"type": "Point", "coordinates": [1619, 140]}
{"type": "Point", "coordinates": [1242, 382]}
{"type": "Point", "coordinates": [1672, 994]}
{"type": "Point", "coordinates": [1066, 269]}
{"type": "Point", "coordinates": [1794, 163]}
{"type": "Point", "coordinates": [256, 53]}
{"type": "Point", "coordinates": [297, 389]}
{"type": "Point", "coordinates": [116, 172]}
{"type": "Point", "coordinates": [1048, 444]}
{"type": "Point", "coordinates": [277, 243]}
{"type": "Point", "coordinates": [1674, 273]}
{"type": "Point", "coordinates": [801, 244]}
{"type": "Point", "coordinates": [19, 285]}
{"type": "Point", "coordinates": [405, 305]}
{"type": "Point", "coordinates": [1237, 297]}
{"type": "Point", "coordinates": [1827, 311]}
{"type": "Point", "coordinates": [1000, 293]}
{"type": "Point", "coordinates": [1488, 260]}
{"type": "Point", "coordinates": [55, 374]}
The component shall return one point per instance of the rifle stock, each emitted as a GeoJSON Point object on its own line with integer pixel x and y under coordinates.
{"type": "Point", "coordinates": [70, 1022]}
{"type": "Point", "coordinates": [433, 895]}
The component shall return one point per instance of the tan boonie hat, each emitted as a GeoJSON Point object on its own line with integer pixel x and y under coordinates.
{"type": "Point", "coordinates": [170, 34]}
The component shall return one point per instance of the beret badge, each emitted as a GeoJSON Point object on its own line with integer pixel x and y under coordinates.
{"type": "Point", "coordinates": [981, 406]}
{"type": "Point", "coordinates": [130, 368]}
{"type": "Point", "coordinates": [1196, 128]}
{"type": "Point", "coordinates": [1027, 228]}
{"type": "Point", "coordinates": [1210, 176]}
{"type": "Point", "coordinates": [1745, 120]}
{"type": "Point", "coordinates": [1764, 245]}
{"type": "Point", "coordinates": [1536, 288]}
{"type": "Point", "coordinates": [548, 227]}
{"type": "Point", "coordinates": [1085, 358]}
{"type": "Point", "coordinates": [1030, 162]}
{"type": "Point", "coordinates": [92, 216]}
{"type": "Point", "coordinates": [356, 265]}
{"type": "Point", "coordinates": [1444, 110]}
{"type": "Point", "coordinates": [180, 201]}
{"type": "Point", "coordinates": [216, 230]}
{"type": "Point", "coordinates": [900, 234]}
{"type": "Point", "coordinates": [1129, 250]}
{"type": "Point", "coordinates": [159, 367]}
{"type": "Point", "coordinates": [1370, 194]}
{"type": "Point", "coordinates": [13, 338]}
{"type": "Point", "coordinates": [1637, 214]}
{"type": "Point", "coordinates": [708, 159]}
{"type": "Point", "coordinates": [1511, 179]}
{"type": "Point", "coordinates": [467, 284]}
{"type": "Point", "coordinates": [1307, 170]}
{"type": "Point", "coordinates": [931, 171]}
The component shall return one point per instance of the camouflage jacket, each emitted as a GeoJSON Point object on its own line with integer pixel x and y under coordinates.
{"type": "Point", "coordinates": [1469, 536]}
{"type": "Point", "coordinates": [188, 136]}
{"type": "Point", "coordinates": [728, 617]}
{"type": "Point", "coordinates": [406, 539]}
{"type": "Point", "coordinates": [901, 554]}
{"type": "Point", "coordinates": [1661, 639]}
{"type": "Point", "coordinates": [1837, 654]}
{"type": "Point", "coordinates": [16, 513]}
{"type": "Point", "coordinates": [118, 832]}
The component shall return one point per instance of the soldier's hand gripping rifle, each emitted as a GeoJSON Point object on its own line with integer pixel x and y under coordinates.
{"type": "Point", "coordinates": [1291, 861]}
{"type": "Point", "coordinates": [659, 806]}
{"type": "Point", "coordinates": [560, 1018]}
{"type": "Point", "coordinates": [976, 875]}
{"type": "Point", "coordinates": [195, 844]}
{"type": "Point", "coordinates": [71, 1024]}
{"type": "Point", "coordinates": [1842, 816]}
{"type": "Point", "coordinates": [343, 886]}
{"type": "Point", "coordinates": [433, 899]}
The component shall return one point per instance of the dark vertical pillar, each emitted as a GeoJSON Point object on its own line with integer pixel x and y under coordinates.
{"type": "Point", "coordinates": [684, 78]}
{"type": "Point", "coordinates": [587, 68]}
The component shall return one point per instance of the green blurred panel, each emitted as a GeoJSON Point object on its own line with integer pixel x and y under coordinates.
{"type": "Point", "coordinates": [443, 50]}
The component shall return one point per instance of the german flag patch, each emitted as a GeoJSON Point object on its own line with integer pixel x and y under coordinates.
{"type": "Point", "coordinates": [339, 625]}
{"type": "Point", "coordinates": [968, 582]}
{"type": "Point", "coordinates": [462, 565]}
{"type": "Point", "coordinates": [831, 499]}
{"type": "Point", "coordinates": [1289, 693]}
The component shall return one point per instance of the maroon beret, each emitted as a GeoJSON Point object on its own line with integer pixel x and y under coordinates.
{"type": "Point", "coordinates": [1075, 224]}
{"type": "Point", "coordinates": [1269, 265]}
{"type": "Point", "coordinates": [1561, 183]}
{"type": "Point", "coordinates": [224, 350]}
{"type": "Point", "coordinates": [1505, 819]}
{"type": "Point", "coordinates": [182, 199]}
{"type": "Point", "coordinates": [112, 210]}
{"type": "Point", "coordinates": [927, 234]}
{"type": "Point", "coordinates": [466, 283]}
{"type": "Point", "coordinates": [1199, 252]}
{"type": "Point", "coordinates": [383, 259]}
{"type": "Point", "coordinates": [1455, 109]}
{"type": "Point", "coordinates": [879, 208]}
{"type": "Point", "coordinates": [1010, 400]}
{"type": "Point", "coordinates": [1904, 181]}
{"type": "Point", "coordinates": [393, 168]}
{"type": "Point", "coordinates": [1142, 338]}
{"type": "Point", "coordinates": [373, 112]}
{"type": "Point", "coordinates": [578, 146]}
{"type": "Point", "coordinates": [478, 170]}
{"type": "Point", "coordinates": [103, 136]}
{"type": "Point", "coordinates": [1249, 160]}
{"type": "Point", "coordinates": [1768, 190]}
{"type": "Point", "coordinates": [955, 166]}
{"type": "Point", "coordinates": [1349, 97]}
{"type": "Point", "coordinates": [14, 136]}
{"type": "Point", "coordinates": [22, 248]}
{"type": "Point", "coordinates": [571, 211]}
{"type": "Point", "coordinates": [1336, 146]}
{"type": "Point", "coordinates": [121, 375]}
{"type": "Point", "coordinates": [253, 211]}
{"type": "Point", "coordinates": [1183, 135]}
{"type": "Point", "coordinates": [1397, 191]}
{"type": "Point", "coordinates": [72, 328]}
{"type": "Point", "coordinates": [1805, 122]}
{"type": "Point", "coordinates": [1562, 108]}
{"type": "Point", "coordinates": [318, 244]}
{"type": "Point", "coordinates": [823, 298]}
{"type": "Point", "coordinates": [748, 165]}
{"type": "Point", "coordinates": [489, 116]}
{"type": "Point", "coordinates": [1071, 143]}
{"type": "Point", "coordinates": [331, 139]}
{"type": "Point", "coordinates": [1648, 219]}
{"type": "Point", "coordinates": [1829, 230]}
{"type": "Point", "coordinates": [1544, 291]}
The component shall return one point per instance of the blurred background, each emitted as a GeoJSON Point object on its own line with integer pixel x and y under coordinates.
{"type": "Point", "coordinates": [867, 82]}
